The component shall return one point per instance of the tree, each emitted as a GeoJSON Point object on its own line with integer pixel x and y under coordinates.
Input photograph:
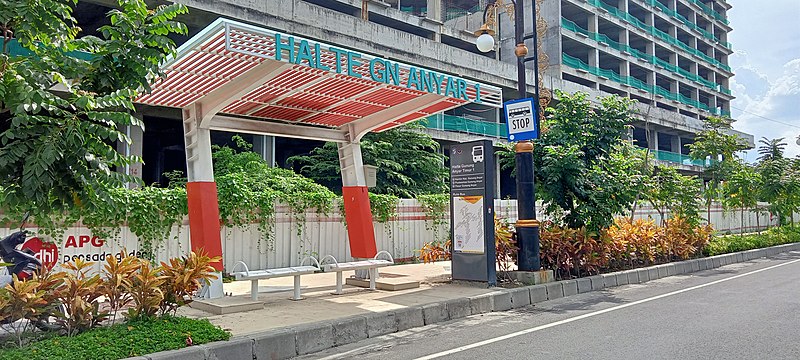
{"type": "Point", "coordinates": [61, 113]}
{"type": "Point", "coordinates": [668, 190]}
{"type": "Point", "coordinates": [718, 145]}
{"type": "Point", "coordinates": [741, 188]}
{"type": "Point", "coordinates": [408, 162]}
{"type": "Point", "coordinates": [771, 150]}
{"type": "Point", "coordinates": [585, 168]}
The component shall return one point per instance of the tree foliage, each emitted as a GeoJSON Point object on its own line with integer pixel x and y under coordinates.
{"type": "Point", "coordinates": [669, 191]}
{"type": "Point", "coordinates": [741, 189]}
{"type": "Point", "coordinates": [60, 112]}
{"type": "Point", "coordinates": [585, 168]}
{"type": "Point", "coordinates": [408, 162]}
{"type": "Point", "coordinates": [780, 179]}
{"type": "Point", "coordinates": [718, 145]}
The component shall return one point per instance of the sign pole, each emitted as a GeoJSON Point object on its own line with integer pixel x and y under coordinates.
{"type": "Point", "coordinates": [523, 125]}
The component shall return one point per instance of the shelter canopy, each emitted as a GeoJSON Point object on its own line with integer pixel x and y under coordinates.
{"type": "Point", "coordinates": [238, 73]}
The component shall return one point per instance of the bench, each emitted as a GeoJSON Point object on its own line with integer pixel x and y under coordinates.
{"type": "Point", "coordinates": [371, 265]}
{"type": "Point", "coordinates": [295, 271]}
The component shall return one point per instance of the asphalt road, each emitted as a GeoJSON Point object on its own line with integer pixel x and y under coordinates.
{"type": "Point", "coordinates": [740, 311]}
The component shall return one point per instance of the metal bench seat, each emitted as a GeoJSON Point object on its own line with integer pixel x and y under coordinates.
{"type": "Point", "coordinates": [371, 265]}
{"type": "Point", "coordinates": [294, 271]}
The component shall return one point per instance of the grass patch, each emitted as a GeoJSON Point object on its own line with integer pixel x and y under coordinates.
{"type": "Point", "coordinates": [734, 243]}
{"type": "Point", "coordinates": [134, 338]}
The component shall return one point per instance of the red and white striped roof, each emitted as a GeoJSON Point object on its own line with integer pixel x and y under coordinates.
{"type": "Point", "coordinates": [309, 92]}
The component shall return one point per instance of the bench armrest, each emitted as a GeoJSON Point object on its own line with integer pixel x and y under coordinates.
{"type": "Point", "coordinates": [329, 257]}
{"type": "Point", "coordinates": [384, 252]}
{"type": "Point", "coordinates": [313, 261]}
{"type": "Point", "coordinates": [246, 270]}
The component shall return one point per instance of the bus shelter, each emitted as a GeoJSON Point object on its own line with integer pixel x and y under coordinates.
{"type": "Point", "coordinates": [241, 78]}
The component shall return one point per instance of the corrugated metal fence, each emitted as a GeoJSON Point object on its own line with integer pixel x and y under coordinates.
{"type": "Point", "coordinates": [295, 237]}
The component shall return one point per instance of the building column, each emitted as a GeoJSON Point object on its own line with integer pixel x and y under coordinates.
{"type": "Point", "coordinates": [675, 144]}
{"type": "Point", "coordinates": [264, 145]}
{"type": "Point", "coordinates": [201, 193]}
{"type": "Point", "coordinates": [653, 143]}
{"type": "Point", "coordinates": [623, 5]}
{"type": "Point", "coordinates": [673, 59]}
{"type": "Point", "coordinates": [434, 10]}
{"type": "Point", "coordinates": [673, 87]}
{"type": "Point", "coordinates": [136, 135]}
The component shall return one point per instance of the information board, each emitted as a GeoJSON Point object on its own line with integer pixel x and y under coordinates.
{"type": "Point", "coordinates": [472, 168]}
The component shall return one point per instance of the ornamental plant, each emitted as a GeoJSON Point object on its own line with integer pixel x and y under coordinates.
{"type": "Point", "coordinates": [184, 277]}
{"type": "Point", "coordinates": [78, 301]}
{"type": "Point", "coordinates": [57, 151]}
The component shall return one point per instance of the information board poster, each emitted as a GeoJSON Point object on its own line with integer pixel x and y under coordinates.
{"type": "Point", "coordinates": [468, 232]}
{"type": "Point", "coordinates": [472, 168]}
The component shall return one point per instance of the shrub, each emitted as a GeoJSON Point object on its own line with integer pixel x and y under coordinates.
{"type": "Point", "coordinates": [145, 290]}
{"type": "Point", "coordinates": [134, 338]}
{"type": "Point", "coordinates": [183, 277]}
{"type": "Point", "coordinates": [733, 243]}
{"type": "Point", "coordinates": [626, 244]}
{"type": "Point", "coordinates": [571, 251]}
{"type": "Point", "coordinates": [505, 245]}
{"type": "Point", "coordinates": [435, 251]}
{"type": "Point", "coordinates": [80, 295]}
{"type": "Point", "coordinates": [74, 296]}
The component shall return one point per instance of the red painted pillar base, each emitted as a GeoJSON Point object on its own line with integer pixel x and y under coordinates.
{"type": "Point", "coordinates": [204, 225]}
{"type": "Point", "coordinates": [359, 222]}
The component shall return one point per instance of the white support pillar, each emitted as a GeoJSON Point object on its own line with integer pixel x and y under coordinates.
{"type": "Point", "coordinates": [136, 134]}
{"type": "Point", "coordinates": [497, 176]}
{"type": "Point", "coordinates": [360, 229]}
{"type": "Point", "coordinates": [352, 164]}
{"type": "Point", "coordinates": [201, 192]}
{"type": "Point", "coordinates": [264, 145]}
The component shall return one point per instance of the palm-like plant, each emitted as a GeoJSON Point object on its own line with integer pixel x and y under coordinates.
{"type": "Point", "coordinates": [771, 149]}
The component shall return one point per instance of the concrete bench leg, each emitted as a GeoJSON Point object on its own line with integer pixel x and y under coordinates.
{"type": "Point", "coordinates": [297, 288]}
{"type": "Point", "coordinates": [372, 278]}
{"type": "Point", "coordinates": [254, 289]}
{"type": "Point", "coordinates": [339, 290]}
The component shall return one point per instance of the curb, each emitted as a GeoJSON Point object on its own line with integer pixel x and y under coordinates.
{"type": "Point", "coordinates": [284, 343]}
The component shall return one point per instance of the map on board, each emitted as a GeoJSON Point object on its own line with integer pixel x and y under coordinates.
{"type": "Point", "coordinates": [468, 229]}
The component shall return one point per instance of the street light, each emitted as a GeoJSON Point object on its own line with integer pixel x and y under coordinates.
{"type": "Point", "coordinates": [527, 226]}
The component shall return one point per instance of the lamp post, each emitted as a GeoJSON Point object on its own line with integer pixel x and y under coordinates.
{"type": "Point", "coordinates": [527, 226]}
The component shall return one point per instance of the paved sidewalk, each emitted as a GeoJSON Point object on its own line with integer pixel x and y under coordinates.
{"type": "Point", "coordinates": [320, 304]}
{"type": "Point", "coordinates": [284, 328]}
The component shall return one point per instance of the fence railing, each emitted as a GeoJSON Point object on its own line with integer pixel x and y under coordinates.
{"type": "Point", "coordinates": [460, 124]}
{"type": "Point", "coordinates": [711, 11]}
{"type": "Point", "coordinates": [657, 33]}
{"type": "Point", "coordinates": [679, 158]}
{"type": "Point", "coordinates": [685, 21]}
{"type": "Point", "coordinates": [636, 83]}
{"type": "Point", "coordinates": [602, 38]}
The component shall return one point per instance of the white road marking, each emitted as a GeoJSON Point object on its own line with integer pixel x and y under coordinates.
{"type": "Point", "coordinates": [599, 312]}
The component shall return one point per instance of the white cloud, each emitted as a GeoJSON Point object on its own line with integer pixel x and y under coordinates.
{"type": "Point", "coordinates": [767, 115]}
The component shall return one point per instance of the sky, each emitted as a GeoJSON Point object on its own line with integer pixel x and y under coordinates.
{"type": "Point", "coordinates": [766, 63]}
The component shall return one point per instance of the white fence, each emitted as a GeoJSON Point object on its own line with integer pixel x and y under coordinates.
{"type": "Point", "coordinates": [321, 235]}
